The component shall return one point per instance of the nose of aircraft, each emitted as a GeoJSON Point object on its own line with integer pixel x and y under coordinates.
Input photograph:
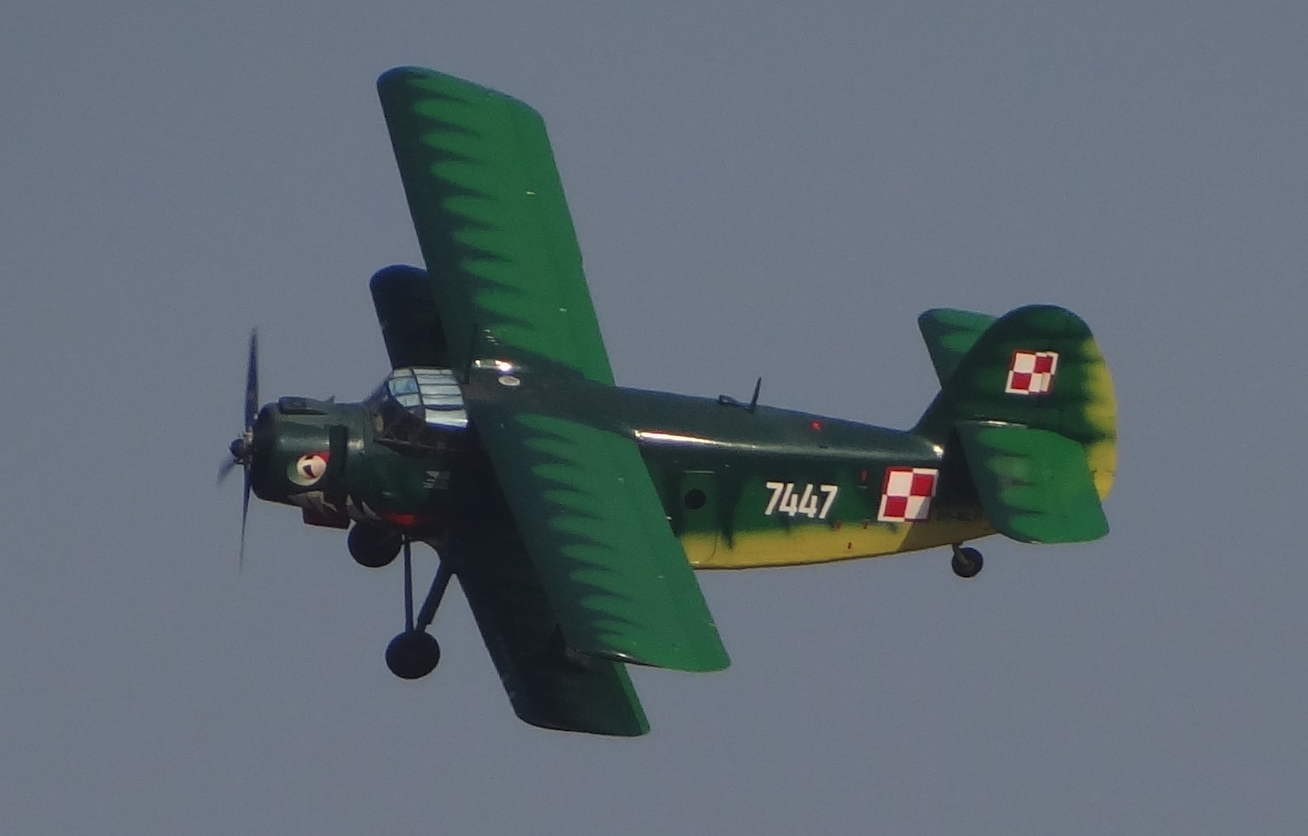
{"type": "Point", "coordinates": [241, 449]}
{"type": "Point", "coordinates": [245, 447]}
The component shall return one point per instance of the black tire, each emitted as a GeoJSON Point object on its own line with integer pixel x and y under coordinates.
{"type": "Point", "coordinates": [372, 546]}
{"type": "Point", "coordinates": [412, 655]}
{"type": "Point", "coordinates": [967, 562]}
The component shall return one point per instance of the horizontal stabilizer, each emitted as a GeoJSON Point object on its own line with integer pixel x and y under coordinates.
{"type": "Point", "coordinates": [949, 334]}
{"type": "Point", "coordinates": [1035, 485]}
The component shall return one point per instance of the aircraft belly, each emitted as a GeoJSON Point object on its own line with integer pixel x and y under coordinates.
{"type": "Point", "coordinates": [825, 543]}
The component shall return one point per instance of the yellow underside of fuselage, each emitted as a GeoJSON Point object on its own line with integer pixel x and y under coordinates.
{"type": "Point", "coordinates": [823, 544]}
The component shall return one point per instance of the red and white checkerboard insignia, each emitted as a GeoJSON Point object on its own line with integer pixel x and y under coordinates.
{"type": "Point", "coordinates": [906, 494]}
{"type": "Point", "coordinates": [1031, 372]}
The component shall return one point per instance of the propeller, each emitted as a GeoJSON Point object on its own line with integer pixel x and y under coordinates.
{"type": "Point", "coordinates": [242, 447]}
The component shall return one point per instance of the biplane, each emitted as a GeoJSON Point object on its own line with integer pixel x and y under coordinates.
{"type": "Point", "coordinates": [573, 511]}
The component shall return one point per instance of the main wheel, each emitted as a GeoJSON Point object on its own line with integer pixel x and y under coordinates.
{"type": "Point", "coordinates": [967, 562]}
{"type": "Point", "coordinates": [412, 655]}
{"type": "Point", "coordinates": [373, 546]}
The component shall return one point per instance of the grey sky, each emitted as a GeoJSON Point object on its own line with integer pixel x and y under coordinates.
{"type": "Point", "coordinates": [757, 190]}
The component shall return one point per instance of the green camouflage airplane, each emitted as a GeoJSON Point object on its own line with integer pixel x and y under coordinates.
{"type": "Point", "coordinates": [573, 511]}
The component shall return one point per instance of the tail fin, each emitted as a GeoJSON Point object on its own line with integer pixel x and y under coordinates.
{"type": "Point", "coordinates": [949, 334]}
{"type": "Point", "coordinates": [1035, 368]}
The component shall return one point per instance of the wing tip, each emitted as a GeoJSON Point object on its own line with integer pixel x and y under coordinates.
{"type": "Point", "coordinates": [705, 658]}
{"type": "Point", "coordinates": [437, 83]}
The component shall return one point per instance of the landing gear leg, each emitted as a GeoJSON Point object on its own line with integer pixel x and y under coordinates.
{"type": "Point", "coordinates": [967, 561]}
{"type": "Point", "coordinates": [415, 653]}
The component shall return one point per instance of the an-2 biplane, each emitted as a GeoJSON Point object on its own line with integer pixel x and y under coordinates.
{"type": "Point", "coordinates": [573, 511]}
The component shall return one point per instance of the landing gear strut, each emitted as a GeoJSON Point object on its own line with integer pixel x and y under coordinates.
{"type": "Point", "coordinates": [415, 653]}
{"type": "Point", "coordinates": [967, 561]}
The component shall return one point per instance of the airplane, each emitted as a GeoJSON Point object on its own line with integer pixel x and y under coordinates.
{"type": "Point", "coordinates": [573, 511]}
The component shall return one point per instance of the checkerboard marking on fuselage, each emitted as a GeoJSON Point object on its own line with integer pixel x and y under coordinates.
{"type": "Point", "coordinates": [906, 494]}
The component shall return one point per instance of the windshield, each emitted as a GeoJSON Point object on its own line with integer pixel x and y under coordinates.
{"type": "Point", "coordinates": [420, 407]}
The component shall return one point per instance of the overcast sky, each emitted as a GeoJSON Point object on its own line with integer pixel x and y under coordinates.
{"type": "Point", "coordinates": [758, 189]}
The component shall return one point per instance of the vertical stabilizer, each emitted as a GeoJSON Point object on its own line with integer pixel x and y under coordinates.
{"type": "Point", "coordinates": [1036, 367]}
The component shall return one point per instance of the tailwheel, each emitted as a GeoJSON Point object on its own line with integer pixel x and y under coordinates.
{"type": "Point", "coordinates": [967, 561]}
{"type": "Point", "coordinates": [414, 653]}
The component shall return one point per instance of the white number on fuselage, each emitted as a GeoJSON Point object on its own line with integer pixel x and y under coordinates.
{"type": "Point", "coordinates": [787, 499]}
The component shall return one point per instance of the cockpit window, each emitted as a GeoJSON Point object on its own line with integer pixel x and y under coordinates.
{"type": "Point", "coordinates": [419, 406]}
{"type": "Point", "coordinates": [430, 394]}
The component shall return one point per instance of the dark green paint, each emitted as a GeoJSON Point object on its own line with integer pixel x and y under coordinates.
{"type": "Point", "coordinates": [747, 449]}
{"type": "Point", "coordinates": [407, 314]}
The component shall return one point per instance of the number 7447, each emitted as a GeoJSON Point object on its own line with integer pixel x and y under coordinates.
{"type": "Point", "coordinates": [786, 499]}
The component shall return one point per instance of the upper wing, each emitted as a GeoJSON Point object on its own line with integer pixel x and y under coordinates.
{"type": "Point", "coordinates": [506, 275]}
{"type": "Point", "coordinates": [491, 220]}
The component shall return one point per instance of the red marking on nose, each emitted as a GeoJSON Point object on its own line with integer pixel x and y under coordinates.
{"type": "Point", "coordinates": [401, 520]}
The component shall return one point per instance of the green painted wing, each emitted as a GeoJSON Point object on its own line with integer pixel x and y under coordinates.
{"type": "Point", "coordinates": [492, 222]}
{"type": "Point", "coordinates": [1035, 485]}
{"type": "Point", "coordinates": [617, 578]}
{"type": "Point", "coordinates": [506, 276]}
{"type": "Point", "coordinates": [949, 334]}
{"type": "Point", "coordinates": [549, 684]}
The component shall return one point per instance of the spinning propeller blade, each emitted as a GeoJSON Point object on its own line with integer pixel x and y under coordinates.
{"type": "Point", "coordinates": [242, 448]}
{"type": "Point", "coordinates": [252, 381]}
{"type": "Point", "coordinates": [223, 469]}
{"type": "Point", "coordinates": [245, 513]}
